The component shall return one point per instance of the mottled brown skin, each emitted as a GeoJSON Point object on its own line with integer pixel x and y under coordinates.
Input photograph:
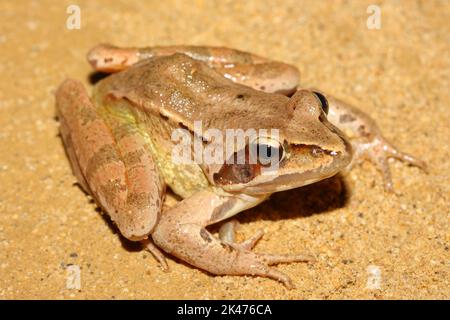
{"type": "Point", "coordinates": [239, 66]}
{"type": "Point", "coordinates": [119, 146]}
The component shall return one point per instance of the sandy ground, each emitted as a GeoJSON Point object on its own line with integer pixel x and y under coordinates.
{"type": "Point", "coordinates": [369, 244]}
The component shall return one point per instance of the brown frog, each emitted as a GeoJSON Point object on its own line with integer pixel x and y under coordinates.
{"type": "Point", "coordinates": [121, 141]}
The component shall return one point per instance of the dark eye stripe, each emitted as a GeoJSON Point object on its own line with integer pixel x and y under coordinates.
{"type": "Point", "coordinates": [234, 173]}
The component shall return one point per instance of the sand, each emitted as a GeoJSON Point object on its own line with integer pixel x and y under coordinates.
{"type": "Point", "coordinates": [368, 244]}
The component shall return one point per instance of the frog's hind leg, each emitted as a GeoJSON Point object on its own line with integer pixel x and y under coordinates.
{"type": "Point", "coordinates": [241, 67]}
{"type": "Point", "coordinates": [111, 163]}
{"type": "Point", "coordinates": [367, 139]}
{"type": "Point", "coordinates": [182, 233]}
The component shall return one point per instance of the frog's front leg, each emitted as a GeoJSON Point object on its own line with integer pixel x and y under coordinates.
{"type": "Point", "coordinates": [181, 231]}
{"type": "Point", "coordinates": [366, 138]}
{"type": "Point", "coordinates": [239, 66]}
{"type": "Point", "coordinates": [110, 162]}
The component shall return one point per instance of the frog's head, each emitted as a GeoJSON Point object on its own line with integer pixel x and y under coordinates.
{"type": "Point", "coordinates": [306, 149]}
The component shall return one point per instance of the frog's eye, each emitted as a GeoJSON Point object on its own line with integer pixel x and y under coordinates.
{"type": "Point", "coordinates": [268, 154]}
{"type": "Point", "coordinates": [323, 101]}
{"type": "Point", "coordinates": [269, 151]}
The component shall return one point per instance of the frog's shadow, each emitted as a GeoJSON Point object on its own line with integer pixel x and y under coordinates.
{"type": "Point", "coordinates": [318, 198]}
{"type": "Point", "coordinates": [96, 76]}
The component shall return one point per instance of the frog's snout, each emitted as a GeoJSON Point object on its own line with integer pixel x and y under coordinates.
{"type": "Point", "coordinates": [343, 159]}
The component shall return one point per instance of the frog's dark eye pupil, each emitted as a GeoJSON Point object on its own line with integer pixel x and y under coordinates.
{"type": "Point", "coordinates": [268, 154]}
{"type": "Point", "coordinates": [323, 101]}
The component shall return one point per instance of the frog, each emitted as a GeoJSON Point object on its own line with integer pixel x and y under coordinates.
{"type": "Point", "coordinates": [120, 145]}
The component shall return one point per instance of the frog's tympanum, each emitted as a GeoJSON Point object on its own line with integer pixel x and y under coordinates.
{"type": "Point", "coordinates": [120, 144]}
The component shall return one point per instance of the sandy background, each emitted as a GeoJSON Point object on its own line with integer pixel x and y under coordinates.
{"type": "Point", "coordinates": [399, 75]}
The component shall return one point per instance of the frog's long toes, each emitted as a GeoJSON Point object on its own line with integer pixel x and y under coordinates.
{"type": "Point", "coordinates": [251, 242]}
{"type": "Point", "coordinates": [379, 151]}
{"type": "Point", "coordinates": [272, 259]}
{"type": "Point", "coordinates": [280, 276]}
{"type": "Point", "coordinates": [259, 264]}
{"type": "Point", "coordinates": [227, 234]}
{"type": "Point", "coordinates": [380, 160]}
{"type": "Point", "coordinates": [383, 165]}
{"type": "Point", "coordinates": [390, 151]}
{"type": "Point", "coordinates": [262, 269]}
{"type": "Point", "coordinates": [154, 250]}
{"type": "Point", "coordinates": [406, 157]}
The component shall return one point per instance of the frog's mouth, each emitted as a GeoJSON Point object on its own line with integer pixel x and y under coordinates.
{"type": "Point", "coordinates": [287, 182]}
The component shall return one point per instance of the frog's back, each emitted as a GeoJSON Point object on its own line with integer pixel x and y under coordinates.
{"type": "Point", "coordinates": [185, 90]}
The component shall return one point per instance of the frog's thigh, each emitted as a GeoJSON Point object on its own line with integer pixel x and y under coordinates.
{"type": "Point", "coordinates": [181, 231]}
{"type": "Point", "coordinates": [246, 68]}
{"type": "Point", "coordinates": [367, 140]}
{"type": "Point", "coordinates": [107, 58]}
{"type": "Point", "coordinates": [117, 171]}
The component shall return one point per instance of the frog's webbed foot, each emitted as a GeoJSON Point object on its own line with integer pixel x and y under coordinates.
{"type": "Point", "coordinates": [367, 140]}
{"type": "Point", "coordinates": [379, 151]}
{"type": "Point", "coordinates": [181, 231]}
{"type": "Point", "coordinates": [261, 261]}
{"type": "Point", "coordinates": [259, 264]}
{"type": "Point", "coordinates": [227, 235]}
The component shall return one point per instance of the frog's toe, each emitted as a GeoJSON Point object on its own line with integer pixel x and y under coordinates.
{"type": "Point", "coordinates": [379, 151]}
{"type": "Point", "coordinates": [379, 158]}
{"type": "Point", "coordinates": [252, 241]}
{"type": "Point", "coordinates": [259, 264]}
{"type": "Point", "coordinates": [254, 265]}
{"type": "Point", "coordinates": [275, 274]}
{"type": "Point", "coordinates": [393, 152]}
{"type": "Point", "coordinates": [227, 234]}
{"type": "Point", "coordinates": [154, 250]}
{"type": "Point", "coordinates": [272, 259]}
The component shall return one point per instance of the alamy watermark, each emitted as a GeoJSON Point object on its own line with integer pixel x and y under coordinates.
{"type": "Point", "coordinates": [73, 21]}
{"type": "Point", "coordinates": [373, 22]}
{"type": "Point", "coordinates": [373, 278]}
{"type": "Point", "coordinates": [229, 146]}
{"type": "Point", "coordinates": [73, 279]}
